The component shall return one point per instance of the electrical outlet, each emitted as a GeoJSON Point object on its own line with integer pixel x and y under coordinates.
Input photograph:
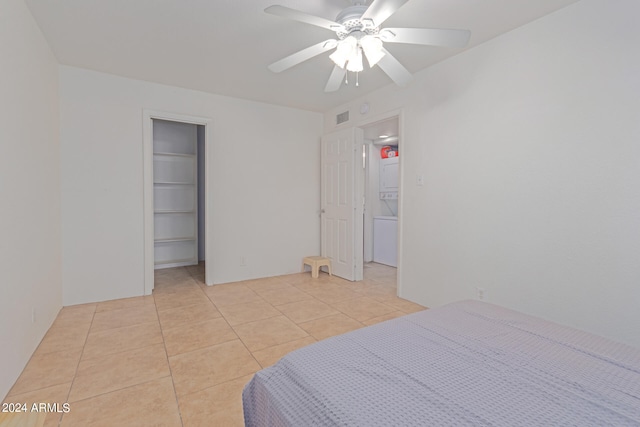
{"type": "Point", "coordinates": [243, 261]}
{"type": "Point", "coordinates": [480, 293]}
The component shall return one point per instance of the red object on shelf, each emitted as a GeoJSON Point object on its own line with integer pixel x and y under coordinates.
{"type": "Point", "coordinates": [388, 151]}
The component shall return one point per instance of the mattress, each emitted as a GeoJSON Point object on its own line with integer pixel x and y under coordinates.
{"type": "Point", "coordinates": [468, 363]}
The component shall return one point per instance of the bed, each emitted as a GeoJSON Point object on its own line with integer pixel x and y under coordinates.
{"type": "Point", "coordinates": [468, 363]}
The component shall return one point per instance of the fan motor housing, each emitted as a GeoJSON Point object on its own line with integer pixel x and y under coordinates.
{"type": "Point", "coordinates": [350, 19]}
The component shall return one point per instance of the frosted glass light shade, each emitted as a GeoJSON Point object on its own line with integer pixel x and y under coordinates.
{"type": "Point", "coordinates": [344, 51]}
{"type": "Point", "coordinates": [372, 47]}
{"type": "Point", "coordinates": [355, 62]}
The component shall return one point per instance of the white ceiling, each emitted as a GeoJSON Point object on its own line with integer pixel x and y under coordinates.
{"type": "Point", "coordinates": [224, 46]}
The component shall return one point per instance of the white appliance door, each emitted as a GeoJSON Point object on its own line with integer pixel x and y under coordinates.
{"type": "Point", "coordinates": [341, 215]}
{"type": "Point", "coordinates": [385, 240]}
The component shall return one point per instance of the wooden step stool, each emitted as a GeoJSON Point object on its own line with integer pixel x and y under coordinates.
{"type": "Point", "coordinates": [315, 262]}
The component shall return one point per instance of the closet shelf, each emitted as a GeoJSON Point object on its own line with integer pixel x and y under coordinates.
{"type": "Point", "coordinates": [175, 239]}
{"type": "Point", "coordinates": [173, 154]}
{"type": "Point", "coordinates": [173, 183]}
{"type": "Point", "coordinates": [174, 261]}
{"type": "Point", "coordinates": [175, 198]}
{"type": "Point", "coordinates": [174, 211]}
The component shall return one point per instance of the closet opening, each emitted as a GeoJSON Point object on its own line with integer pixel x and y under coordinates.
{"type": "Point", "coordinates": [178, 194]}
{"type": "Point", "coordinates": [382, 159]}
{"type": "Point", "coordinates": [176, 205]}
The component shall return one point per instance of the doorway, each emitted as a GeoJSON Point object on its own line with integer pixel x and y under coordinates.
{"type": "Point", "coordinates": [178, 181]}
{"type": "Point", "coordinates": [351, 195]}
{"type": "Point", "coordinates": [381, 219]}
{"type": "Point", "coordinates": [177, 229]}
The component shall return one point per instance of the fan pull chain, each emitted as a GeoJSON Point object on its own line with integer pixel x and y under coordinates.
{"type": "Point", "coordinates": [346, 78]}
{"type": "Point", "coordinates": [357, 83]}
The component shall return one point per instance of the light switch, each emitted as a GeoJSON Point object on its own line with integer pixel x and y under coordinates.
{"type": "Point", "coordinates": [420, 180]}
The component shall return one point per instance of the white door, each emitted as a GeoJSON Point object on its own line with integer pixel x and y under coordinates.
{"type": "Point", "coordinates": [342, 202]}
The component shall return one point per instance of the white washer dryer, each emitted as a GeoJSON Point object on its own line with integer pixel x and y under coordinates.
{"type": "Point", "coordinates": [385, 240]}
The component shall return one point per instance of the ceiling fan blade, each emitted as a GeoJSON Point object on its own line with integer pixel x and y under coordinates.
{"type": "Point", "coordinates": [296, 15]}
{"type": "Point", "coordinates": [394, 69]}
{"type": "Point", "coordinates": [335, 79]}
{"type": "Point", "coordinates": [302, 56]}
{"type": "Point", "coordinates": [426, 36]}
{"type": "Point", "coordinates": [380, 10]}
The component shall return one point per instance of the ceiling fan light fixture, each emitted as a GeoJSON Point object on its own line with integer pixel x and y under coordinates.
{"type": "Point", "coordinates": [359, 33]}
{"type": "Point", "coordinates": [344, 51]}
{"type": "Point", "coordinates": [355, 62]}
{"type": "Point", "coordinates": [372, 47]}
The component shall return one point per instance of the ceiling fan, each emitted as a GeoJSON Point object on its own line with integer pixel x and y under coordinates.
{"type": "Point", "coordinates": [359, 34]}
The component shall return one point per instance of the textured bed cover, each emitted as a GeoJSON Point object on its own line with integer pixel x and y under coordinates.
{"type": "Point", "coordinates": [467, 363]}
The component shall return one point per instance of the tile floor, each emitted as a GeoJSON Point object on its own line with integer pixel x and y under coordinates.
{"type": "Point", "coordinates": [181, 356]}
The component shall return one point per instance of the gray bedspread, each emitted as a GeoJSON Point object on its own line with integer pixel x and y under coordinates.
{"type": "Point", "coordinates": [464, 364]}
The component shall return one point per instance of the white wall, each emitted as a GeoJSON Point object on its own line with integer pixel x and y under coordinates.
{"type": "Point", "coordinates": [264, 183]}
{"type": "Point", "coordinates": [530, 148]}
{"type": "Point", "coordinates": [29, 189]}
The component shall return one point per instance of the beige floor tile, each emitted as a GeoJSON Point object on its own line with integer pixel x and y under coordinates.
{"type": "Point", "coordinates": [62, 337]}
{"type": "Point", "coordinates": [362, 308]}
{"type": "Point", "coordinates": [359, 287]}
{"type": "Point", "coordinates": [331, 292]}
{"type": "Point", "coordinates": [123, 317]}
{"type": "Point", "coordinates": [222, 295]}
{"type": "Point", "coordinates": [185, 315]}
{"type": "Point", "coordinates": [117, 340]}
{"type": "Point", "coordinates": [75, 315]}
{"type": "Point", "coordinates": [53, 395]}
{"type": "Point", "coordinates": [248, 312]}
{"type": "Point", "coordinates": [297, 279]}
{"type": "Point", "coordinates": [171, 287]}
{"type": "Point", "coordinates": [197, 335]}
{"type": "Point", "coordinates": [303, 311]}
{"type": "Point", "coordinates": [399, 303]}
{"type": "Point", "coordinates": [167, 301]}
{"type": "Point", "coordinates": [22, 419]}
{"type": "Point", "coordinates": [271, 355]}
{"type": "Point", "coordinates": [283, 295]}
{"type": "Point", "coordinates": [220, 405]}
{"type": "Point", "coordinates": [151, 403]}
{"type": "Point", "coordinates": [388, 316]}
{"type": "Point", "coordinates": [47, 370]}
{"type": "Point", "coordinates": [258, 285]}
{"type": "Point", "coordinates": [135, 385]}
{"type": "Point", "coordinates": [373, 269]}
{"type": "Point", "coordinates": [176, 290]}
{"type": "Point", "coordinates": [309, 285]}
{"type": "Point", "coordinates": [378, 291]}
{"type": "Point", "coordinates": [174, 275]}
{"type": "Point", "coordinates": [116, 371]}
{"type": "Point", "coordinates": [340, 281]}
{"type": "Point", "coordinates": [329, 326]}
{"type": "Point", "coordinates": [389, 281]}
{"type": "Point", "coordinates": [124, 303]}
{"type": "Point", "coordinates": [196, 269]}
{"type": "Point", "coordinates": [204, 368]}
{"type": "Point", "coordinates": [171, 273]}
{"type": "Point", "coordinates": [199, 279]}
{"type": "Point", "coordinates": [268, 332]}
